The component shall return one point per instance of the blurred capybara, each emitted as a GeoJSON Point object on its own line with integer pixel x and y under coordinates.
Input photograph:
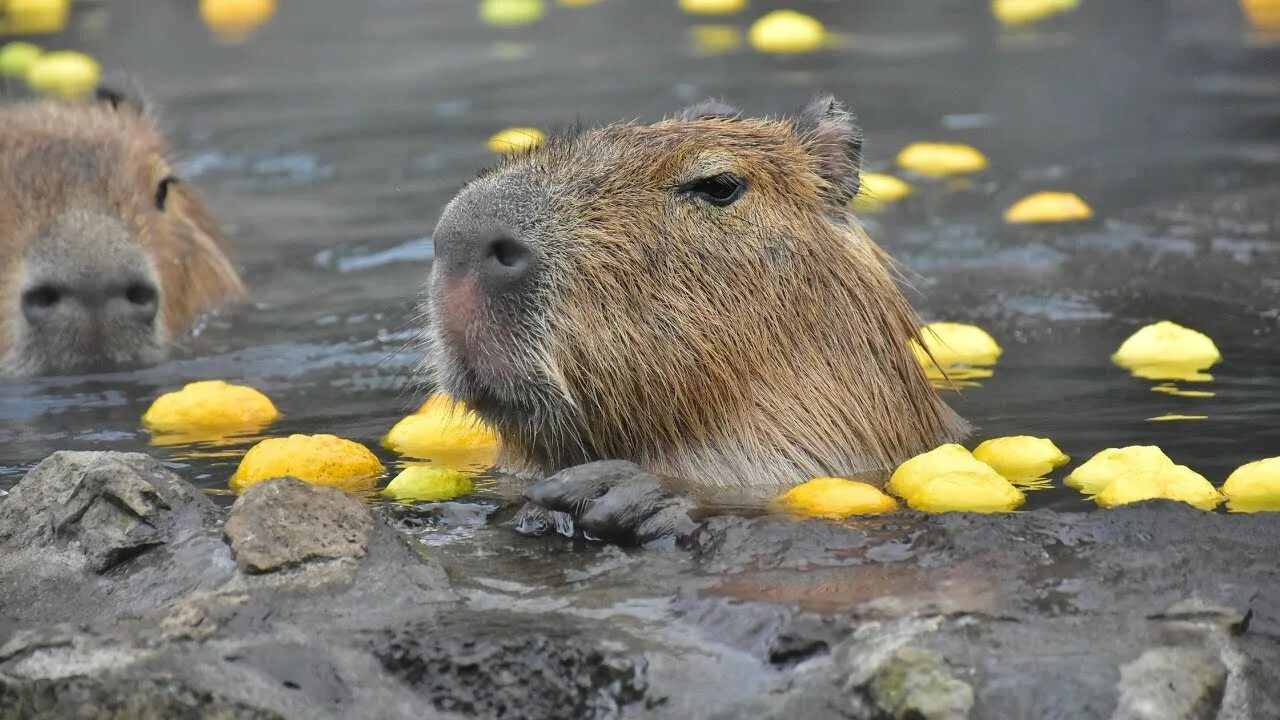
{"type": "Point", "coordinates": [106, 258]}
{"type": "Point", "coordinates": [692, 295]}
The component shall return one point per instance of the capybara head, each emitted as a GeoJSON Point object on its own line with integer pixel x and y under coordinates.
{"type": "Point", "coordinates": [692, 295]}
{"type": "Point", "coordinates": [106, 258]}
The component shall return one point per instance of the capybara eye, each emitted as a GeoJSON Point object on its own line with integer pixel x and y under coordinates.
{"type": "Point", "coordinates": [719, 190]}
{"type": "Point", "coordinates": [41, 297]}
{"type": "Point", "coordinates": [162, 192]}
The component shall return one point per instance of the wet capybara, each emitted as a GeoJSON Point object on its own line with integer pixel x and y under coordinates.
{"type": "Point", "coordinates": [106, 258]}
{"type": "Point", "coordinates": [693, 295]}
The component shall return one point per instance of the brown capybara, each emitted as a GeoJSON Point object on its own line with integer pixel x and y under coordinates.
{"type": "Point", "coordinates": [692, 295]}
{"type": "Point", "coordinates": [106, 258]}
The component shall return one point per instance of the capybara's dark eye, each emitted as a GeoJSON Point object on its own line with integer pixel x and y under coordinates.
{"type": "Point", "coordinates": [162, 192]}
{"type": "Point", "coordinates": [719, 190]}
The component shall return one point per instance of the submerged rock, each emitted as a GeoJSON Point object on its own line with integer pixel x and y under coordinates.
{"type": "Point", "coordinates": [286, 522]}
{"type": "Point", "coordinates": [1171, 683]}
{"type": "Point", "coordinates": [914, 684]}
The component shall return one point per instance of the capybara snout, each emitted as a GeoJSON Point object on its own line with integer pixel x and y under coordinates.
{"type": "Point", "coordinates": [693, 295]}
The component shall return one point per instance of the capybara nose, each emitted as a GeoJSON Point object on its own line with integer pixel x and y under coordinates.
{"type": "Point", "coordinates": [52, 306]}
{"type": "Point", "coordinates": [141, 302]}
{"type": "Point", "coordinates": [503, 258]}
{"type": "Point", "coordinates": [497, 259]}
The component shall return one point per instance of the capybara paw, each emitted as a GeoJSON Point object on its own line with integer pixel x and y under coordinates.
{"type": "Point", "coordinates": [533, 519]}
{"type": "Point", "coordinates": [612, 500]}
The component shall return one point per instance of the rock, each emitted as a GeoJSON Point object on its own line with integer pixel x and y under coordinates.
{"type": "Point", "coordinates": [503, 670]}
{"type": "Point", "coordinates": [913, 684]}
{"type": "Point", "coordinates": [98, 534]}
{"type": "Point", "coordinates": [457, 615]}
{"type": "Point", "coordinates": [285, 522]}
{"type": "Point", "coordinates": [103, 507]}
{"type": "Point", "coordinates": [1171, 683]}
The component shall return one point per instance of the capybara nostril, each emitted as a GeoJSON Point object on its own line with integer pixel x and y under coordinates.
{"type": "Point", "coordinates": [505, 257]}
{"type": "Point", "coordinates": [143, 300]}
{"type": "Point", "coordinates": [39, 301]}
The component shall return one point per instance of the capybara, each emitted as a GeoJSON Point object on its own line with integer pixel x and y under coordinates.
{"type": "Point", "coordinates": [693, 295]}
{"type": "Point", "coordinates": [106, 257]}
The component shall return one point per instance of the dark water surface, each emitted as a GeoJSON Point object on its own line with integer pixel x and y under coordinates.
{"type": "Point", "coordinates": [329, 142]}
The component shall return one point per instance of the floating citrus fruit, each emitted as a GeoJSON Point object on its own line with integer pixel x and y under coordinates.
{"type": "Point", "coordinates": [1100, 470]}
{"type": "Point", "coordinates": [33, 17]}
{"type": "Point", "coordinates": [1168, 351]}
{"type": "Point", "coordinates": [1048, 207]}
{"type": "Point", "coordinates": [1170, 482]}
{"type": "Point", "coordinates": [1254, 487]}
{"type": "Point", "coordinates": [941, 159]}
{"type": "Point", "coordinates": [876, 190]}
{"type": "Point", "coordinates": [949, 478]}
{"type": "Point", "coordinates": [427, 483]}
{"type": "Point", "coordinates": [965, 491]}
{"type": "Point", "coordinates": [16, 58]}
{"type": "Point", "coordinates": [509, 13]}
{"type": "Point", "coordinates": [1021, 458]}
{"type": "Point", "coordinates": [317, 459]}
{"type": "Point", "coordinates": [833, 497]}
{"type": "Point", "coordinates": [1023, 12]}
{"type": "Point", "coordinates": [515, 139]}
{"type": "Point", "coordinates": [234, 20]}
{"type": "Point", "coordinates": [447, 433]}
{"type": "Point", "coordinates": [712, 7]}
{"type": "Point", "coordinates": [787, 32]}
{"type": "Point", "coordinates": [67, 74]}
{"type": "Point", "coordinates": [210, 407]}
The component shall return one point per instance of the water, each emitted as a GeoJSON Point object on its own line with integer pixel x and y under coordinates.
{"type": "Point", "coordinates": [329, 142]}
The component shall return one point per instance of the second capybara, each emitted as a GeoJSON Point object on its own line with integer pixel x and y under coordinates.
{"type": "Point", "coordinates": [106, 257]}
{"type": "Point", "coordinates": [692, 295]}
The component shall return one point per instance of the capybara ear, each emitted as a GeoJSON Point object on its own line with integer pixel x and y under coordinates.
{"type": "Point", "coordinates": [709, 108]}
{"type": "Point", "coordinates": [833, 139]}
{"type": "Point", "coordinates": [122, 92]}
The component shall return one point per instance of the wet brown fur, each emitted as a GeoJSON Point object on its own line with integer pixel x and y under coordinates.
{"type": "Point", "coordinates": [754, 346]}
{"type": "Point", "coordinates": [56, 156]}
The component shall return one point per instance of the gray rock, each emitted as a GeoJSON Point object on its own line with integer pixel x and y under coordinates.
{"type": "Point", "coordinates": [286, 522]}
{"type": "Point", "coordinates": [103, 508]}
{"type": "Point", "coordinates": [914, 684]}
{"type": "Point", "coordinates": [94, 534]}
{"type": "Point", "coordinates": [764, 617]}
{"type": "Point", "coordinates": [1171, 683]}
{"type": "Point", "coordinates": [501, 669]}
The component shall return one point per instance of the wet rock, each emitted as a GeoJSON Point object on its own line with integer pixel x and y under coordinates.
{"type": "Point", "coordinates": [611, 500]}
{"type": "Point", "coordinates": [100, 509]}
{"type": "Point", "coordinates": [913, 684]}
{"type": "Point", "coordinates": [286, 522]}
{"type": "Point", "coordinates": [97, 534]}
{"type": "Point", "coordinates": [503, 670]}
{"type": "Point", "coordinates": [1170, 683]}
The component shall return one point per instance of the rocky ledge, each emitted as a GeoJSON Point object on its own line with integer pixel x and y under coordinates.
{"type": "Point", "coordinates": [126, 593]}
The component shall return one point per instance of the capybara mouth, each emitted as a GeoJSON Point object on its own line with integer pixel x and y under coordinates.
{"type": "Point", "coordinates": [469, 336]}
